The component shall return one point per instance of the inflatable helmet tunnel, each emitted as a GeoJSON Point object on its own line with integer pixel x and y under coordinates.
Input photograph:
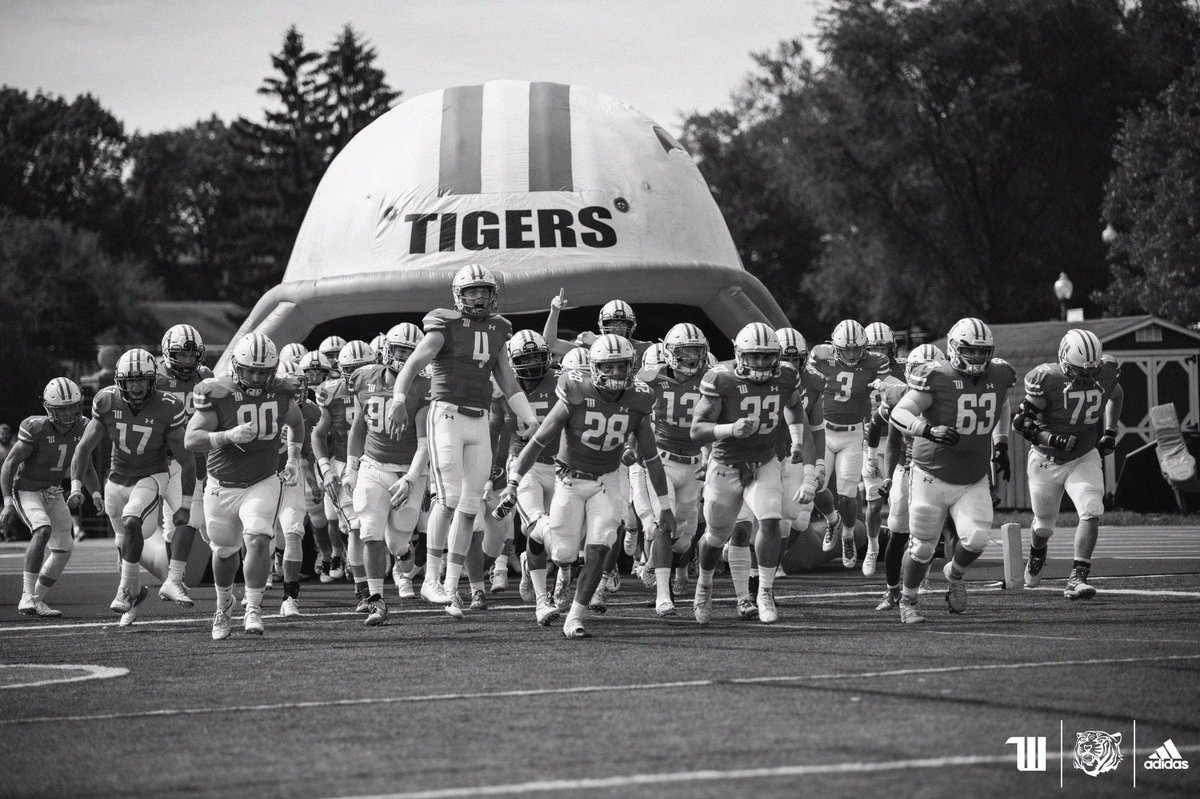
{"type": "Point", "coordinates": [550, 186]}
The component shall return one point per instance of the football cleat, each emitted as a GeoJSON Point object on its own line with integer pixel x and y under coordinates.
{"type": "Point", "coordinates": [221, 625]}
{"type": "Point", "coordinates": [290, 607]}
{"type": "Point", "coordinates": [562, 590]}
{"type": "Point", "coordinates": [337, 568]}
{"type": "Point", "coordinates": [35, 607]}
{"type": "Point", "coordinates": [323, 573]}
{"type": "Point", "coordinates": [1077, 585]}
{"type": "Point", "coordinates": [122, 602]}
{"type": "Point", "coordinates": [253, 623]}
{"type": "Point", "coordinates": [363, 605]}
{"type": "Point", "coordinates": [1033, 568]}
{"type": "Point", "coordinates": [404, 587]}
{"type": "Point", "coordinates": [871, 558]}
{"type": "Point", "coordinates": [702, 603]}
{"type": "Point", "coordinates": [908, 611]}
{"type": "Point", "coordinates": [830, 539]}
{"type": "Point", "coordinates": [545, 612]}
{"type": "Point", "coordinates": [956, 591]}
{"type": "Point", "coordinates": [499, 579]}
{"type": "Point", "coordinates": [849, 553]}
{"type": "Point", "coordinates": [767, 613]}
{"type": "Point", "coordinates": [599, 601]}
{"type": "Point", "coordinates": [379, 611]}
{"type": "Point", "coordinates": [455, 609]}
{"type": "Point", "coordinates": [432, 591]}
{"type": "Point", "coordinates": [891, 598]}
{"type": "Point", "coordinates": [664, 608]}
{"type": "Point", "coordinates": [130, 616]}
{"type": "Point", "coordinates": [679, 582]}
{"type": "Point", "coordinates": [525, 588]}
{"type": "Point", "coordinates": [747, 608]}
{"type": "Point", "coordinates": [574, 629]}
{"type": "Point", "coordinates": [646, 573]}
{"type": "Point", "coordinates": [175, 591]}
{"type": "Point", "coordinates": [478, 600]}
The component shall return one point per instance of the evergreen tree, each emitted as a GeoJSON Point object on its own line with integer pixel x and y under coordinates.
{"type": "Point", "coordinates": [353, 91]}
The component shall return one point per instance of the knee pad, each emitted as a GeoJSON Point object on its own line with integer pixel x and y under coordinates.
{"type": "Point", "coordinates": [132, 525]}
{"type": "Point", "coordinates": [681, 544]}
{"type": "Point", "coordinates": [316, 515]}
{"type": "Point", "coordinates": [921, 551]}
{"type": "Point", "coordinates": [975, 540]}
{"type": "Point", "coordinates": [226, 552]}
{"type": "Point", "coordinates": [1093, 507]}
{"type": "Point", "coordinates": [563, 554]}
{"type": "Point", "coordinates": [293, 547]}
{"type": "Point", "coordinates": [714, 541]}
{"type": "Point", "coordinates": [1043, 527]}
{"type": "Point", "coordinates": [925, 522]}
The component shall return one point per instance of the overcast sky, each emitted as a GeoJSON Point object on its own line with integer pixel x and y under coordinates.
{"type": "Point", "coordinates": [164, 64]}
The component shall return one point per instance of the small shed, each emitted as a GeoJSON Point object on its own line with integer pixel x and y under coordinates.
{"type": "Point", "coordinates": [1160, 363]}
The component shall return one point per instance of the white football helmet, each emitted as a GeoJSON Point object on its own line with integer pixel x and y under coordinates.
{"type": "Point", "coordinates": [62, 400]}
{"type": "Point", "coordinates": [291, 369]}
{"type": "Point", "coordinates": [136, 378]}
{"type": "Point", "coordinates": [399, 344]}
{"type": "Point", "coordinates": [355, 355]}
{"type": "Point", "coordinates": [1079, 355]}
{"type": "Point", "coordinates": [577, 358]}
{"type": "Point", "coordinates": [849, 342]}
{"type": "Point", "coordinates": [881, 340]}
{"type": "Point", "coordinates": [686, 349]}
{"type": "Point", "coordinates": [756, 352]}
{"type": "Point", "coordinates": [969, 345]}
{"type": "Point", "coordinates": [379, 347]}
{"type": "Point", "coordinates": [654, 356]}
{"type": "Point", "coordinates": [331, 348]}
{"type": "Point", "coordinates": [926, 353]}
{"type": "Point", "coordinates": [182, 351]}
{"type": "Point", "coordinates": [254, 361]}
{"type": "Point", "coordinates": [480, 305]}
{"type": "Point", "coordinates": [530, 355]}
{"type": "Point", "coordinates": [617, 317]}
{"type": "Point", "coordinates": [792, 347]}
{"type": "Point", "coordinates": [316, 368]}
{"type": "Point", "coordinates": [612, 362]}
{"type": "Point", "coordinates": [293, 352]}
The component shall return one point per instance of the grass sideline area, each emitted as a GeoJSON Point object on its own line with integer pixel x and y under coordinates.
{"type": "Point", "coordinates": [1112, 518]}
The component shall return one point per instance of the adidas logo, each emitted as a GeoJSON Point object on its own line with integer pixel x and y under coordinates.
{"type": "Point", "coordinates": [1165, 757]}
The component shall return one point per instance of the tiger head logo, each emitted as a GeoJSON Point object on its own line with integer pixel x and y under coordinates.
{"type": "Point", "coordinates": [1097, 752]}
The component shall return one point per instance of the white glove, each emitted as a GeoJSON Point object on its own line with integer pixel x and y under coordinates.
{"type": "Point", "coordinates": [243, 433]}
{"type": "Point", "coordinates": [291, 472]}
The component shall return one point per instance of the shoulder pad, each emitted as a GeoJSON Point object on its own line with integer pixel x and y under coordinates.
{"type": "Point", "coordinates": [893, 393]}
{"type": "Point", "coordinates": [1109, 362]}
{"type": "Point", "coordinates": [438, 318]}
{"type": "Point", "coordinates": [505, 325]}
{"type": "Point", "coordinates": [1036, 378]}
{"type": "Point", "coordinates": [643, 397]}
{"type": "Point", "coordinates": [640, 387]}
{"type": "Point", "coordinates": [103, 401]}
{"type": "Point", "coordinates": [213, 388]}
{"type": "Point", "coordinates": [922, 376]}
{"type": "Point", "coordinates": [648, 375]}
{"type": "Point", "coordinates": [570, 386]}
{"type": "Point", "coordinates": [822, 352]}
{"type": "Point", "coordinates": [32, 426]}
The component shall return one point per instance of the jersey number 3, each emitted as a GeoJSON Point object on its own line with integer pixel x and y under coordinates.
{"type": "Point", "coordinates": [976, 414]}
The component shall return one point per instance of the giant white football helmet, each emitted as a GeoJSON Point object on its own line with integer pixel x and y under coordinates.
{"type": "Point", "coordinates": [62, 400]}
{"type": "Point", "coordinates": [881, 340]}
{"type": "Point", "coordinates": [756, 352]}
{"type": "Point", "coordinates": [612, 362]}
{"type": "Point", "coordinates": [686, 349]}
{"type": "Point", "coordinates": [480, 305]}
{"type": "Point", "coordinates": [1079, 355]}
{"type": "Point", "coordinates": [182, 351]}
{"type": "Point", "coordinates": [253, 361]}
{"type": "Point", "coordinates": [849, 342]}
{"type": "Point", "coordinates": [792, 347]}
{"type": "Point", "coordinates": [617, 317]}
{"type": "Point", "coordinates": [530, 355]}
{"type": "Point", "coordinates": [969, 346]}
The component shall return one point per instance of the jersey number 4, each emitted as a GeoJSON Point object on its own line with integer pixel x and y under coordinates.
{"type": "Point", "coordinates": [604, 433]}
{"type": "Point", "coordinates": [482, 350]}
{"type": "Point", "coordinates": [976, 414]}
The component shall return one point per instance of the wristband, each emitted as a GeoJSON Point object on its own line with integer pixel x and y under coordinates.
{"type": "Point", "coordinates": [218, 439]}
{"type": "Point", "coordinates": [1111, 432]}
{"type": "Point", "coordinates": [8, 501]}
{"type": "Point", "coordinates": [76, 485]}
{"type": "Point", "coordinates": [797, 432]}
{"type": "Point", "coordinates": [293, 451]}
{"type": "Point", "coordinates": [816, 427]}
{"type": "Point", "coordinates": [352, 463]}
{"type": "Point", "coordinates": [323, 463]}
{"type": "Point", "coordinates": [400, 397]}
{"type": "Point", "coordinates": [922, 429]}
{"type": "Point", "coordinates": [514, 482]}
{"type": "Point", "coordinates": [722, 431]}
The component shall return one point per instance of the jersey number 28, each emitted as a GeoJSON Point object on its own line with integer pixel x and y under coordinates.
{"type": "Point", "coordinates": [604, 433]}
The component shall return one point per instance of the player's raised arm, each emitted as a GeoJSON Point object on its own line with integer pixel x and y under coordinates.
{"type": "Point", "coordinates": [431, 344]}
{"type": "Point", "coordinates": [557, 345]}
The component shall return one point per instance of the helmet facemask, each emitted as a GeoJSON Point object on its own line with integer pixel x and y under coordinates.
{"type": "Point", "coordinates": [62, 416]}
{"type": "Point", "coordinates": [136, 390]}
{"type": "Point", "coordinates": [397, 355]}
{"type": "Point", "coordinates": [477, 301]}
{"type": "Point", "coordinates": [886, 350]}
{"type": "Point", "coordinates": [850, 355]}
{"type": "Point", "coordinates": [183, 362]}
{"type": "Point", "coordinates": [970, 359]}
{"type": "Point", "coordinates": [253, 380]}
{"type": "Point", "coordinates": [531, 366]}
{"type": "Point", "coordinates": [315, 375]}
{"type": "Point", "coordinates": [758, 367]}
{"type": "Point", "coordinates": [612, 375]}
{"type": "Point", "coordinates": [687, 359]}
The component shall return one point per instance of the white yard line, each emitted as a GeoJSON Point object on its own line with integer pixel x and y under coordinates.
{"type": "Point", "coordinates": [90, 673]}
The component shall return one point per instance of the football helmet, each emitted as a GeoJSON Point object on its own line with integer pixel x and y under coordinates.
{"type": "Point", "coordinates": [136, 378]}
{"type": "Point", "coordinates": [379, 347]}
{"type": "Point", "coordinates": [1079, 355]}
{"type": "Point", "coordinates": [480, 305]}
{"type": "Point", "coordinates": [530, 355]}
{"type": "Point", "coordinates": [881, 340]}
{"type": "Point", "coordinates": [399, 344]}
{"type": "Point", "coordinates": [617, 317]}
{"type": "Point", "coordinates": [182, 351]}
{"type": "Point", "coordinates": [686, 349]}
{"type": "Point", "coordinates": [756, 352]}
{"type": "Point", "coordinates": [254, 361]}
{"type": "Point", "coordinates": [62, 400]}
{"type": "Point", "coordinates": [316, 368]}
{"type": "Point", "coordinates": [926, 353]}
{"type": "Point", "coordinates": [849, 342]}
{"type": "Point", "coordinates": [969, 345]}
{"type": "Point", "coordinates": [792, 347]}
{"type": "Point", "coordinates": [292, 369]}
{"type": "Point", "coordinates": [355, 355]}
{"type": "Point", "coordinates": [577, 358]}
{"type": "Point", "coordinates": [654, 356]}
{"type": "Point", "coordinates": [612, 362]}
{"type": "Point", "coordinates": [293, 352]}
{"type": "Point", "coordinates": [331, 348]}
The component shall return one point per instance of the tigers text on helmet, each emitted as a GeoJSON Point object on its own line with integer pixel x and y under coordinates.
{"type": "Point", "coordinates": [654, 356]}
{"type": "Point", "coordinates": [792, 347]}
{"type": "Point", "coordinates": [617, 317]}
{"type": "Point", "coordinates": [292, 369]}
{"type": "Point", "coordinates": [969, 346]}
{"type": "Point", "coordinates": [62, 400]}
{"type": "Point", "coordinates": [136, 378]}
{"type": "Point", "coordinates": [881, 340]}
{"type": "Point", "coordinates": [254, 361]}
{"type": "Point", "coordinates": [926, 353]}
{"type": "Point", "coordinates": [756, 352]}
{"type": "Point", "coordinates": [530, 355]}
{"type": "Point", "coordinates": [316, 368]}
{"type": "Point", "coordinates": [475, 304]}
{"type": "Point", "coordinates": [183, 351]}
{"type": "Point", "coordinates": [399, 344]}
{"type": "Point", "coordinates": [355, 355]}
{"type": "Point", "coordinates": [686, 349]}
{"type": "Point", "coordinates": [576, 359]}
{"type": "Point", "coordinates": [379, 347]}
{"type": "Point", "coordinates": [849, 342]}
{"type": "Point", "coordinates": [1079, 355]}
{"type": "Point", "coordinates": [612, 362]}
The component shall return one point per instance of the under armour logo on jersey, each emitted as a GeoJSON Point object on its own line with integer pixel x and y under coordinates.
{"type": "Point", "coordinates": [928, 480]}
{"type": "Point", "coordinates": [991, 385]}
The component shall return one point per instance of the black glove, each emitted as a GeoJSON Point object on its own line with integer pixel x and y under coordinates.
{"type": "Point", "coordinates": [1063, 441]}
{"type": "Point", "coordinates": [942, 434]}
{"type": "Point", "coordinates": [885, 488]}
{"type": "Point", "coordinates": [1107, 443]}
{"type": "Point", "coordinates": [1000, 458]}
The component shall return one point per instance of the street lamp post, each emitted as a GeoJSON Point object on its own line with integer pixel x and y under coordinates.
{"type": "Point", "coordinates": [1063, 288]}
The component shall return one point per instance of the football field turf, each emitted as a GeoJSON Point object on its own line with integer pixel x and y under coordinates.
{"type": "Point", "coordinates": [834, 700]}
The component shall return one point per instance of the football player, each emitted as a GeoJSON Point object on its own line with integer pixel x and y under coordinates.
{"type": "Point", "coordinates": [383, 472]}
{"type": "Point", "coordinates": [181, 369]}
{"type": "Point", "coordinates": [848, 370]}
{"type": "Point", "coordinates": [238, 421]}
{"type": "Point", "coordinates": [596, 412]}
{"type": "Point", "coordinates": [897, 456]}
{"type": "Point", "coordinates": [292, 505]}
{"type": "Point", "coordinates": [145, 426]}
{"type": "Point", "coordinates": [957, 413]}
{"type": "Point", "coordinates": [882, 343]}
{"type": "Point", "coordinates": [464, 350]}
{"type": "Point", "coordinates": [292, 353]}
{"type": "Point", "coordinates": [741, 404]}
{"type": "Point", "coordinates": [331, 348]}
{"type": "Point", "coordinates": [31, 482]}
{"type": "Point", "coordinates": [1060, 415]}
{"type": "Point", "coordinates": [801, 480]}
{"type": "Point", "coordinates": [316, 372]}
{"type": "Point", "coordinates": [379, 347]}
{"type": "Point", "coordinates": [576, 358]}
